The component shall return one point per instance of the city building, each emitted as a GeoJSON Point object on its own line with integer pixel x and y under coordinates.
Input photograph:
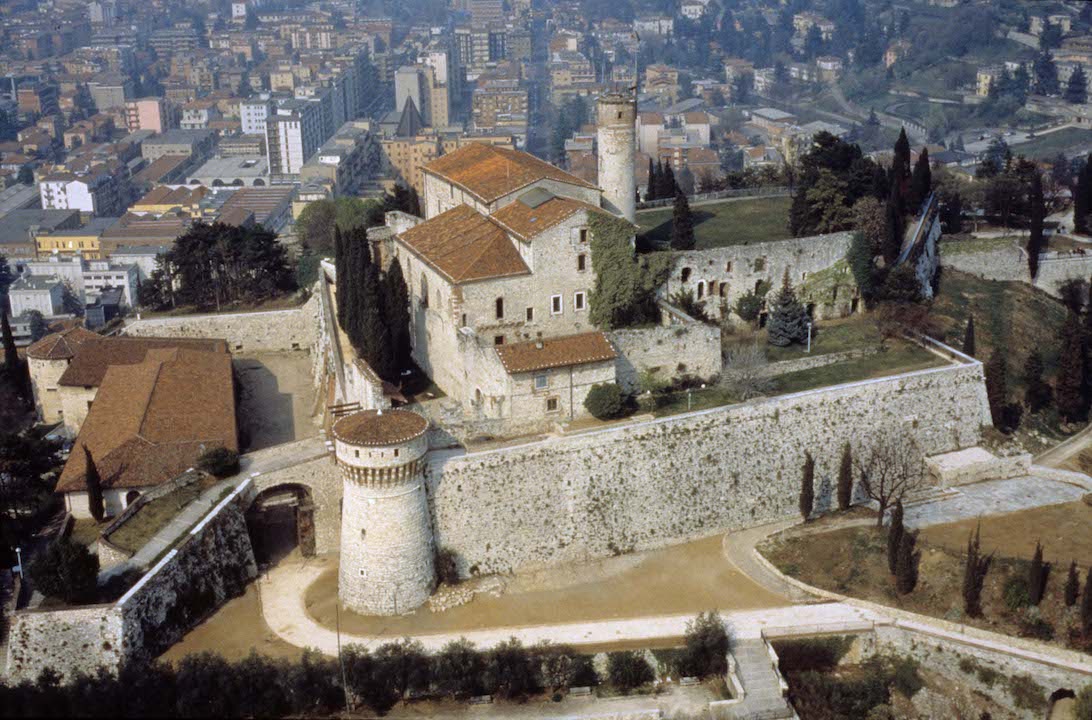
{"type": "Point", "coordinates": [293, 133]}
{"type": "Point", "coordinates": [36, 293]}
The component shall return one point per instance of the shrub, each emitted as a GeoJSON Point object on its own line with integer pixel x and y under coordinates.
{"type": "Point", "coordinates": [457, 668]}
{"type": "Point", "coordinates": [447, 570]}
{"type": "Point", "coordinates": [820, 654]}
{"type": "Point", "coordinates": [508, 670]}
{"type": "Point", "coordinates": [1016, 593]}
{"type": "Point", "coordinates": [904, 675]}
{"type": "Point", "coordinates": [707, 645]}
{"type": "Point", "coordinates": [1083, 709]}
{"type": "Point", "coordinates": [628, 669]}
{"type": "Point", "coordinates": [219, 462]}
{"type": "Point", "coordinates": [605, 401]}
{"type": "Point", "coordinates": [1035, 626]}
{"type": "Point", "coordinates": [1026, 693]}
{"type": "Point", "coordinates": [66, 570]}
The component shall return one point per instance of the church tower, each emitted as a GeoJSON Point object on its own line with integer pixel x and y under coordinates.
{"type": "Point", "coordinates": [387, 564]}
{"type": "Point", "coordinates": [616, 120]}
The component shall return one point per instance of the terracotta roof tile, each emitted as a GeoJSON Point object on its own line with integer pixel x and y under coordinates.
{"type": "Point", "coordinates": [489, 172]}
{"type": "Point", "coordinates": [369, 427]}
{"type": "Point", "coordinates": [581, 349]}
{"type": "Point", "coordinates": [152, 420]}
{"type": "Point", "coordinates": [463, 245]}
{"type": "Point", "coordinates": [61, 345]}
{"type": "Point", "coordinates": [92, 360]}
{"type": "Point", "coordinates": [526, 222]}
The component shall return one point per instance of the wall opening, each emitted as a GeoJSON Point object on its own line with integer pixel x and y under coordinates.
{"type": "Point", "coordinates": [280, 520]}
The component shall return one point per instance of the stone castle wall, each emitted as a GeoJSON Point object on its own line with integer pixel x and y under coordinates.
{"type": "Point", "coordinates": [648, 485]}
{"type": "Point", "coordinates": [292, 329]}
{"type": "Point", "coordinates": [211, 564]}
{"type": "Point", "coordinates": [669, 351]}
{"type": "Point", "coordinates": [1009, 263]}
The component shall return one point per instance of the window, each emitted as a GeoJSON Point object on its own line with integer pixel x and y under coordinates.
{"type": "Point", "coordinates": [685, 274]}
{"type": "Point", "coordinates": [424, 291]}
{"type": "Point", "coordinates": [583, 235]}
{"type": "Point", "coordinates": [578, 300]}
{"type": "Point", "coordinates": [464, 320]}
{"type": "Point", "coordinates": [500, 308]}
{"type": "Point", "coordinates": [498, 339]}
{"type": "Point", "coordinates": [551, 405]}
{"type": "Point", "coordinates": [363, 533]}
{"type": "Point", "coordinates": [804, 275]}
{"type": "Point", "coordinates": [541, 382]}
{"type": "Point", "coordinates": [555, 305]}
{"type": "Point", "coordinates": [581, 262]}
{"type": "Point", "coordinates": [701, 289]}
{"type": "Point", "coordinates": [760, 264]}
{"type": "Point", "coordinates": [530, 314]}
{"type": "Point", "coordinates": [728, 266]}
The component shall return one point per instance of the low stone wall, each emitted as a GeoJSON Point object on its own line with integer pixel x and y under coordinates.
{"type": "Point", "coordinates": [1009, 263]}
{"type": "Point", "coordinates": [213, 563]}
{"type": "Point", "coordinates": [976, 465]}
{"type": "Point", "coordinates": [670, 352]}
{"type": "Point", "coordinates": [651, 484]}
{"type": "Point", "coordinates": [808, 362]}
{"type": "Point", "coordinates": [293, 329]}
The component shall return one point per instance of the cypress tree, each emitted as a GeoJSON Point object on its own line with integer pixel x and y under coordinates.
{"type": "Point", "coordinates": [900, 167]}
{"type": "Point", "coordinates": [11, 356]}
{"type": "Point", "coordinates": [1072, 585]}
{"type": "Point", "coordinates": [373, 342]}
{"type": "Point", "coordinates": [339, 270]}
{"type": "Point", "coordinates": [788, 321]}
{"type": "Point", "coordinates": [682, 224]}
{"type": "Point", "coordinates": [997, 388]}
{"type": "Point", "coordinates": [1069, 386]}
{"type": "Point", "coordinates": [845, 479]}
{"type": "Point", "coordinates": [968, 337]}
{"type": "Point", "coordinates": [94, 487]}
{"type": "Point", "coordinates": [1082, 197]}
{"type": "Point", "coordinates": [1038, 572]}
{"type": "Point", "coordinates": [921, 182]}
{"type": "Point", "coordinates": [974, 574]}
{"type": "Point", "coordinates": [396, 314]}
{"type": "Point", "coordinates": [650, 186]}
{"type": "Point", "coordinates": [906, 565]}
{"type": "Point", "coordinates": [1038, 212]}
{"type": "Point", "coordinates": [1037, 393]}
{"type": "Point", "coordinates": [894, 230]}
{"type": "Point", "coordinates": [895, 531]}
{"type": "Point", "coordinates": [659, 186]}
{"type": "Point", "coordinates": [1076, 89]}
{"type": "Point", "coordinates": [1086, 606]}
{"type": "Point", "coordinates": [807, 487]}
{"type": "Point", "coordinates": [668, 185]}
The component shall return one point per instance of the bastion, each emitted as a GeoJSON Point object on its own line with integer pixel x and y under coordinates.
{"type": "Point", "coordinates": [387, 551]}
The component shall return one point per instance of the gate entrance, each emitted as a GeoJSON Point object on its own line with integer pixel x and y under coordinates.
{"type": "Point", "coordinates": [280, 520]}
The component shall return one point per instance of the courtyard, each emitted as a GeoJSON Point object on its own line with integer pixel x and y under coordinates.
{"type": "Point", "coordinates": [276, 398]}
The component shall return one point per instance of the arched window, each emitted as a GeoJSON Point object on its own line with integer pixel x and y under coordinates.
{"type": "Point", "coordinates": [258, 182]}
{"type": "Point", "coordinates": [131, 497]}
{"type": "Point", "coordinates": [217, 183]}
{"type": "Point", "coordinates": [685, 275]}
{"type": "Point", "coordinates": [424, 291]}
{"type": "Point", "coordinates": [237, 182]}
{"type": "Point", "coordinates": [701, 289]}
{"type": "Point", "coordinates": [724, 290]}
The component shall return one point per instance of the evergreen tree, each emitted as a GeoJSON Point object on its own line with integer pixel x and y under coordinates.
{"type": "Point", "coordinates": [1037, 392]}
{"type": "Point", "coordinates": [1076, 90]}
{"type": "Point", "coordinates": [861, 263]}
{"type": "Point", "coordinates": [807, 487]}
{"type": "Point", "coordinates": [906, 564]}
{"type": "Point", "coordinates": [1038, 212]}
{"type": "Point", "coordinates": [974, 574]}
{"type": "Point", "coordinates": [650, 187]}
{"type": "Point", "coordinates": [668, 185]}
{"type": "Point", "coordinates": [968, 337]}
{"type": "Point", "coordinates": [11, 357]}
{"type": "Point", "coordinates": [921, 183]}
{"type": "Point", "coordinates": [340, 270]}
{"type": "Point", "coordinates": [682, 224]}
{"type": "Point", "coordinates": [788, 322]}
{"type": "Point", "coordinates": [895, 229]}
{"type": "Point", "coordinates": [895, 530]}
{"type": "Point", "coordinates": [1046, 75]}
{"type": "Point", "coordinates": [1038, 572]}
{"type": "Point", "coordinates": [25, 176]}
{"type": "Point", "coordinates": [997, 388]}
{"type": "Point", "coordinates": [1082, 197]}
{"type": "Point", "coordinates": [1072, 585]}
{"type": "Point", "coordinates": [845, 479]}
{"type": "Point", "coordinates": [397, 315]}
{"type": "Point", "coordinates": [1070, 393]}
{"type": "Point", "coordinates": [659, 186]}
{"type": "Point", "coordinates": [900, 165]}
{"type": "Point", "coordinates": [1086, 606]}
{"type": "Point", "coordinates": [94, 487]}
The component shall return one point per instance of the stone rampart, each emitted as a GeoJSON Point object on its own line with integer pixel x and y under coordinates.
{"type": "Point", "coordinates": [1003, 261]}
{"type": "Point", "coordinates": [669, 352]}
{"type": "Point", "coordinates": [648, 485]}
{"type": "Point", "coordinates": [322, 481]}
{"type": "Point", "coordinates": [292, 329]}
{"type": "Point", "coordinates": [212, 563]}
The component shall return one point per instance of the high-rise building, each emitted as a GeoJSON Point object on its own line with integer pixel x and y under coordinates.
{"type": "Point", "coordinates": [150, 113]}
{"type": "Point", "coordinates": [293, 134]}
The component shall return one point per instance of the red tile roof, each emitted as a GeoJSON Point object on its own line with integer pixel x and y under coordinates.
{"type": "Point", "coordinates": [463, 245]}
{"type": "Point", "coordinates": [92, 359]}
{"type": "Point", "coordinates": [61, 345]}
{"type": "Point", "coordinates": [489, 172]}
{"type": "Point", "coordinates": [370, 427]}
{"type": "Point", "coordinates": [581, 349]}
{"type": "Point", "coordinates": [526, 222]}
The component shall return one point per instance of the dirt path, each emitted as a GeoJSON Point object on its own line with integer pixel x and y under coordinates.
{"type": "Point", "coordinates": [1057, 456]}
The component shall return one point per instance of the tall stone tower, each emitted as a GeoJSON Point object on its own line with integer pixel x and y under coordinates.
{"type": "Point", "coordinates": [387, 557]}
{"type": "Point", "coordinates": [616, 119]}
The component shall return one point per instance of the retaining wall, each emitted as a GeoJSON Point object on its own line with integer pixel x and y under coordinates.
{"type": "Point", "coordinates": [648, 485]}
{"type": "Point", "coordinates": [1010, 263]}
{"type": "Point", "coordinates": [670, 351]}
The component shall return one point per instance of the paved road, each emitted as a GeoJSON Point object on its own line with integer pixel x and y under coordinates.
{"type": "Point", "coordinates": [992, 497]}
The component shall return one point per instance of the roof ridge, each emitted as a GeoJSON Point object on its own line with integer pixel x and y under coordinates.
{"type": "Point", "coordinates": [148, 402]}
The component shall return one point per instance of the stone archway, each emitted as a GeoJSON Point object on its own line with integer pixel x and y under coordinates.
{"type": "Point", "coordinates": [1062, 704]}
{"type": "Point", "coordinates": [280, 519]}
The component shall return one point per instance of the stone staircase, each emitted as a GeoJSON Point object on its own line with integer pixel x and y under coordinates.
{"type": "Point", "coordinates": [762, 699]}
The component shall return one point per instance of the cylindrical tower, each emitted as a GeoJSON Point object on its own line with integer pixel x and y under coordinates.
{"type": "Point", "coordinates": [616, 116]}
{"type": "Point", "coordinates": [387, 564]}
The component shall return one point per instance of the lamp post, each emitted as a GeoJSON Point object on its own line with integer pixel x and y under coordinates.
{"type": "Point", "coordinates": [689, 399]}
{"type": "Point", "coordinates": [809, 336]}
{"type": "Point", "coordinates": [19, 561]}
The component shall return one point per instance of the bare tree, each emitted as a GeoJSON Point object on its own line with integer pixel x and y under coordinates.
{"type": "Point", "coordinates": [890, 467]}
{"type": "Point", "coordinates": [745, 372]}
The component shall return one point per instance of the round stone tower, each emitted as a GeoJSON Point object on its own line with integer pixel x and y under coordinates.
{"type": "Point", "coordinates": [616, 119]}
{"type": "Point", "coordinates": [387, 564]}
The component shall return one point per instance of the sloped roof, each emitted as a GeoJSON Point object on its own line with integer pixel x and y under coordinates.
{"type": "Point", "coordinates": [534, 355]}
{"type": "Point", "coordinates": [410, 122]}
{"type": "Point", "coordinates": [463, 245]}
{"type": "Point", "coordinates": [152, 420]}
{"type": "Point", "coordinates": [526, 221]}
{"type": "Point", "coordinates": [370, 427]}
{"type": "Point", "coordinates": [61, 345]}
{"type": "Point", "coordinates": [93, 359]}
{"type": "Point", "coordinates": [489, 172]}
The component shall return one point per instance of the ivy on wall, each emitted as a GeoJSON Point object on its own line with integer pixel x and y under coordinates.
{"type": "Point", "coordinates": [625, 285]}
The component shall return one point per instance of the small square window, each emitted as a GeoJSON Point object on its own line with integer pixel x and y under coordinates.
{"type": "Point", "coordinates": [578, 301]}
{"type": "Point", "coordinates": [530, 314]}
{"type": "Point", "coordinates": [555, 305]}
{"type": "Point", "coordinates": [551, 405]}
{"type": "Point", "coordinates": [498, 339]}
{"type": "Point", "coordinates": [583, 235]}
{"type": "Point", "coordinates": [541, 382]}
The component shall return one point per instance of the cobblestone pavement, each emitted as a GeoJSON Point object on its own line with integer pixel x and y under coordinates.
{"type": "Point", "coordinates": [992, 497]}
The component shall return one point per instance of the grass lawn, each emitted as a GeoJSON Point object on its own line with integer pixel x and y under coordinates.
{"type": "Point", "coordinates": [732, 222]}
{"type": "Point", "coordinates": [1046, 147]}
{"type": "Point", "coordinates": [153, 517]}
{"type": "Point", "coordinates": [853, 561]}
{"type": "Point", "coordinates": [86, 531]}
{"type": "Point", "coordinates": [899, 357]}
{"type": "Point", "coordinates": [856, 332]}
